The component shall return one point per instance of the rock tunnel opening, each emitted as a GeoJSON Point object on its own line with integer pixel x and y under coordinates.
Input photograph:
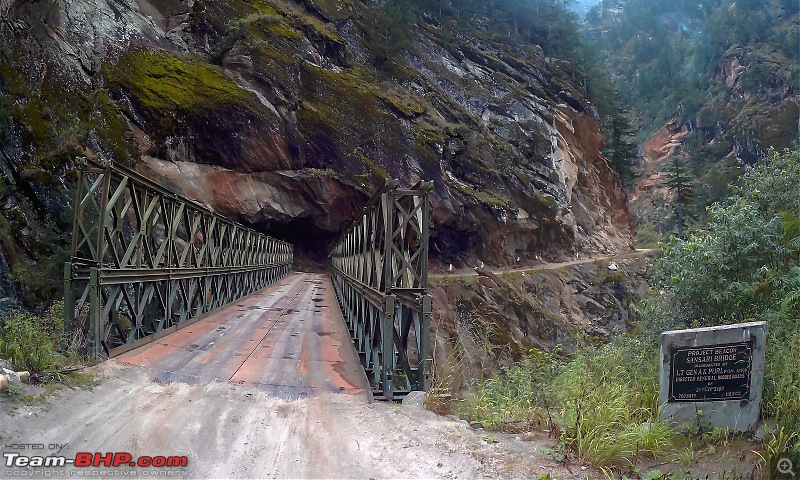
{"type": "Point", "coordinates": [312, 244]}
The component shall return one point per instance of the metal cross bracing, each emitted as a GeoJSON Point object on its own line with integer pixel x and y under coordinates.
{"type": "Point", "coordinates": [146, 260]}
{"type": "Point", "coordinates": [380, 274]}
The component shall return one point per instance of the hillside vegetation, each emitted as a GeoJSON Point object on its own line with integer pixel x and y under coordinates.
{"type": "Point", "coordinates": [724, 67]}
{"type": "Point", "coordinates": [719, 76]}
{"type": "Point", "coordinates": [744, 265]}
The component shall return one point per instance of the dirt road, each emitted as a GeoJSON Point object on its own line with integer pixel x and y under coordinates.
{"type": "Point", "coordinates": [544, 266]}
{"type": "Point", "coordinates": [258, 393]}
{"type": "Point", "coordinates": [230, 431]}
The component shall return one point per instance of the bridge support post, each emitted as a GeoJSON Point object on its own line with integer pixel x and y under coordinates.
{"type": "Point", "coordinates": [425, 360]}
{"type": "Point", "coordinates": [69, 298]}
{"type": "Point", "coordinates": [95, 327]}
{"type": "Point", "coordinates": [387, 346]}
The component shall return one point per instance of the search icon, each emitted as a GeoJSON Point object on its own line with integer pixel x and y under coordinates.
{"type": "Point", "coordinates": [785, 467]}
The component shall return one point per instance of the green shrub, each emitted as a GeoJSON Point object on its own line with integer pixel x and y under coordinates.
{"type": "Point", "coordinates": [647, 236]}
{"type": "Point", "coordinates": [29, 341]}
{"type": "Point", "coordinates": [513, 398]}
{"type": "Point", "coordinates": [609, 400]}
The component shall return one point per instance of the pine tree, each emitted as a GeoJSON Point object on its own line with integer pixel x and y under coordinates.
{"type": "Point", "coordinates": [679, 182]}
{"type": "Point", "coordinates": [621, 149]}
{"type": "Point", "coordinates": [397, 17]}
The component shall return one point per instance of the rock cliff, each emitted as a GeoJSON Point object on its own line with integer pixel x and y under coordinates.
{"type": "Point", "coordinates": [286, 115]}
{"type": "Point", "coordinates": [490, 319]}
{"type": "Point", "coordinates": [650, 199]}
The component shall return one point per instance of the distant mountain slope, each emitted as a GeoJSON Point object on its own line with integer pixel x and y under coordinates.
{"type": "Point", "coordinates": [725, 71]}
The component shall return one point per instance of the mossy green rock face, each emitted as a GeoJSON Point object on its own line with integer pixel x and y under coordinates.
{"type": "Point", "coordinates": [288, 115]}
{"type": "Point", "coordinates": [194, 102]}
{"type": "Point", "coordinates": [345, 126]}
{"type": "Point", "coordinates": [170, 90]}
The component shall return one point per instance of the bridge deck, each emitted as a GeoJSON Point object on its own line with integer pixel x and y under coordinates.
{"type": "Point", "coordinates": [289, 340]}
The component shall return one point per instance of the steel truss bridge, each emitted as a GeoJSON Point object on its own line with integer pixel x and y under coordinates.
{"type": "Point", "coordinates": [146, 262]}
{"type": "Point", "coordinates": [380, 273]}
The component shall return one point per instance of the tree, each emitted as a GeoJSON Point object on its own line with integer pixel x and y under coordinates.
{"type": "Point", "coordinates": [395, 19]}
{"type": "Point", "coordinates": [730, 269]}
{"type": "Point", "coordinates": [621, 149]}
{"type": "Point", "coordinates": [679, 182]}
{"type": "Point", "coordinates": [743, 266]}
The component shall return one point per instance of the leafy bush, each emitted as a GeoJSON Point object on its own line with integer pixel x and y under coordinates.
{"type": "Point", "coordinates": [739, 265]}
{"type": "Point", "coordinates": [745, 265]}
{"type": "Point", "coordinates": [647, 236]}
{"type": "Point", "coordinates": [29, 341]}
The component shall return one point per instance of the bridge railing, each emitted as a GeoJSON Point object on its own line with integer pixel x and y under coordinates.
{"type": "Point", "coordinates": [380, 274]}
{"type": "Point", "coordinates": [146, 260]}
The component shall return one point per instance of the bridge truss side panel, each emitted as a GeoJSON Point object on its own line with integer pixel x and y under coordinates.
{"type": "Point", "coordinates": [145, 259]}
{"type": "Point", "coordinates": [380, 274]}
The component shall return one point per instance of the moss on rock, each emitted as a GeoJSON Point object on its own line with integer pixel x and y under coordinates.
{"type": "Point", "coordinates": [403, 105]}
{"type": "Point", "coordinates": [340, 113]}
{"type": "Point", "coordinates": [332, 10]}
{"type": "Point", "coordinates": [426, 136]}
{"type": "Point", "coordinates": [485, 197]}
{"type": "Point", "coordinates": [167, 88]}
{"type": "Point", "coordinates": [547, 200]}
{"type": "Point", "coordinates": [55, 117]}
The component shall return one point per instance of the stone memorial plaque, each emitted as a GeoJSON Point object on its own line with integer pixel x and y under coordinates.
{"type": "Point", "coordinates": [718, 372]}
{"type": "Point", "coordinates": [715, 374]}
